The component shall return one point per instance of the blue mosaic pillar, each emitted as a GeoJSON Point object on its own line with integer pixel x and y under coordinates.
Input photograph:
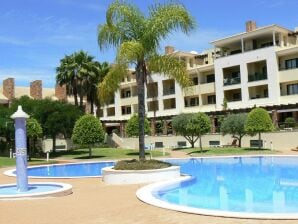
{"type": "Point", "coordinates": [21, 149]}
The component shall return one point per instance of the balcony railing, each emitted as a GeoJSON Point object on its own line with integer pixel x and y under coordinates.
{"type": "Point", "coordinates": [257, 77]}
{"type": "Point", "coordinates": [168, 92]}
{"type": "Point", "coordinates": [231, 81]}
{"type": "Point", "coordinates": [287, 68]}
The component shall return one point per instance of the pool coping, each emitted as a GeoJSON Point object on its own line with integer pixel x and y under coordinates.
{"type": "Point", "coordinates": [146, 194]}
{"type": "Point", "coordinates": [65, 189]}
{"type": "Point", "coordinates": [10, 172]}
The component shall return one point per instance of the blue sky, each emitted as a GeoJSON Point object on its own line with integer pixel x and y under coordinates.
{"type": "Point", "coordinates": [36, 34]}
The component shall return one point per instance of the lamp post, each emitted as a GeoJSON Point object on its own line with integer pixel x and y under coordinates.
{"type": "Point", "coordinates": [21, 149]}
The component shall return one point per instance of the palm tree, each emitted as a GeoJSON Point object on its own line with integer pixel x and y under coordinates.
{"type": "Point", "coordinates": [67, 76]}
{"type": "Point", "coordinates": [97, 72]}
{"type": "Point", "coordinates": [137, 38]}
{"type": "Point", "coordinates": [74, 71]}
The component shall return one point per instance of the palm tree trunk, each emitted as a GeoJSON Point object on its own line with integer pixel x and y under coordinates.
{"type": "Point", "coordinates": [90, 151]}
{"type": "Point", "coordinates": [75, 92]}
{"type": "Point", "coordinates": [141, 112]}
{"type": "Point", "coordinates": [259, 140]}
{"type": "Point", "coordinates": [91, 104]}
{"type": "Point", "coordinates": [201, 148]}
{"type": "Point", "coordinates": [54, 143]}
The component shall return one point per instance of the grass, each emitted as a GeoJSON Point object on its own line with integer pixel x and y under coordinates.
{"type": "Point", "coordinates": [104, 153]}
{"type": "Point", "coordinates": [5, 161]}
{"type": "Point", "coordinates": [225, 151]}
{"type": "Point", "coordinates": [141, 165]}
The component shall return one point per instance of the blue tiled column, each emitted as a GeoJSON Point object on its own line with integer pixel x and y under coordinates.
{"type": "Point", "coordinates": [21, 149]}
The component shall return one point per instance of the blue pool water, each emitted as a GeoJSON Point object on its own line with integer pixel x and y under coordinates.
{"type": "Point", "coordinates": [237, 184]}
{"type": "Point", "coordinates": [69, 170]}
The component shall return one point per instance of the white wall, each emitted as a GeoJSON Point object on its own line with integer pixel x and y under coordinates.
{"type": "Point", "coordinates": [267, 54]}
{"type": "Point", "coordinates": [283, 140]}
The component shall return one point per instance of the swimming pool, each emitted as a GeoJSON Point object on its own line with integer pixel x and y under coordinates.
{"type": "Point", "coordinates": [250, 187]}
{"type": "Point", "coordinates": [71, 170]}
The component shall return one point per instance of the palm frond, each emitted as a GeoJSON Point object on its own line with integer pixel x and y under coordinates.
{"type": "Point", "coordinates": [171, 67]}
{"type": "Point", "coordinates": [130, 51]}
{"type": "Point", "coordinates": [123, 23]}
{"type": "Point", "coordinates": [164, 19]}
{"type": "Point", "coordinates": [111, 82]}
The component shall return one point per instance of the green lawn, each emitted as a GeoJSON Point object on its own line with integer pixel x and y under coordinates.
{"type": "Point", "coordinates": [104, 153]}
{"type": "Point", "coordinates": [225, 151]}
{"type": "Point", "coordinates": [5, 161]}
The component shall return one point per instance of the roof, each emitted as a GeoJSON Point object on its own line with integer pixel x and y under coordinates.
{"type": "Point", "coordinates": [256, 32]}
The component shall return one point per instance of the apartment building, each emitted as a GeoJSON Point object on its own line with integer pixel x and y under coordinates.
{"type": "Point", "coordinates": [258, 67]}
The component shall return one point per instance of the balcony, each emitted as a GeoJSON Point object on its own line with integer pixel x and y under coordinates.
{"type": "Point", "coordinates": [231, 81]}
{"type": "Point", "coordinates": [288, 75]}
{"type": "Point", "coordinates": [191, 101]}
{"type": "Point", "coordinates": [207, 88]}
{"type": "Point", "coordinates": [168, 91]}
{"type": "Point", "coordinates": [129, 100]}
{"type": "Point", "coordinates": [231, 75]}
{"type": "Point", "coordinates": [152, 90]}
{"type": "Point", "coordinates": [190, 91]}
{"type": "Point", "coordinates": [233, 95]}
{"type": "Point", "coordinates": [258, 92]}
{"type": "Point", "coordinates": [168, 87]}
{"type": "Point", "coordinates": [257, 77]}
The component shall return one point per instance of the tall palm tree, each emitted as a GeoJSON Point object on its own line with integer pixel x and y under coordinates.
{"type": "Point", "coordinates": [97, 72]}
{"type": "Point", "coordinates": [66, 76]}
{"type": "Point", "coordinates": [137, 38]}
{"type": "Point", "coordinates": [73, 71]}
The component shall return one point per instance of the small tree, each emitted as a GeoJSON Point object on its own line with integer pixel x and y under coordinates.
{"type": "Point", "coordinates": [225, 104]}
{"type": "Point", "coordinates": [88, 131]}
{"type": "Point", "coordinates": [258, 121]}
{"type": "Point", "coordinates": [182, 125]}
{"type": "Point", "coordinates": [132, 126]}
{"type": "Point", "coordinates": [192, 127]}
{"type": "Point", "coordinates": [202, 124]}
{"type": "Point", "coordinates": [290, 122]}
{"type": "Point", "coordinates": [234, 124]}
{"type": "Point", "coordinates": [34, 131]}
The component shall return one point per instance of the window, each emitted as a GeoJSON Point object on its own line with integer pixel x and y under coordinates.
{"type": "Point", "coordinates": [127, 93]}
{"type": "Point", "coordinates": [210, 78]}
{"type": "Point", "coordinates": [265, 93]}
{"type": "Point", "coordinates": [195, 80]}
{"type": "Point", "coordinates": [211, 99]}
{"type": "Point", "coordinates": [292, 63]}
{"type": "Point", "coordinates": [236, 96]}
{"type": "Point", "coordinates": [126, 110]}
{"type": "Point", "coordinates": [292, 89]}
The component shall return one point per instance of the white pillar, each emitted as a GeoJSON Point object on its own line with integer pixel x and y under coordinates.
{"type": "Point", "coordinates": [242, 45]}
{"type": "Point", "coordinates": [273, 34]}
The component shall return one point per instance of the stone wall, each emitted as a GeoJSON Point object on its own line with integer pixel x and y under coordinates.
{"type": "Point", "coordinates": [9, 88]}
{"type": "Point", "coordinates": [60, 92]}
{"type": "Point", "coordinates": [36, 89]}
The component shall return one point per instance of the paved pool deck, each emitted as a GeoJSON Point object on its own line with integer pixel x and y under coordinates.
{"type": "Point", "coordinates": [94, 202]}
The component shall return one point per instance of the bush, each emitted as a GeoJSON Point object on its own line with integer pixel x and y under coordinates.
{"type": "Point", "coordinates": [141, 165]}
{"type": "Point", "coordinates": [132, 126]}
{"type": "Point", "coordinates": [234, 124]}
{"type": "Point", "coordinates": [192, 126]}
{"type": "Point", "coordinates": [258, 121]}
{"type": "Point", "coordinates": [88, 131]}
{"type": "Point", "coordinates": [290, 122]}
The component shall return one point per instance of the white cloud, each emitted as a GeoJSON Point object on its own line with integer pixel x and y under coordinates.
{"type": "Point", "coordinates": [13, 41]}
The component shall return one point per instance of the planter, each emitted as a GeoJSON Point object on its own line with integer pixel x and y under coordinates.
{"type": "Point", "coordinates": [111, 176]}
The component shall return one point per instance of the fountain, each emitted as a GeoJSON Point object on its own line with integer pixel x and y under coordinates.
{"type": "Point", "coordinates": [23, 189]}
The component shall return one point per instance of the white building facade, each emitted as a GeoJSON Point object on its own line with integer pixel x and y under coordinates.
{"type": "Point", "coordinates": [258, 67]}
